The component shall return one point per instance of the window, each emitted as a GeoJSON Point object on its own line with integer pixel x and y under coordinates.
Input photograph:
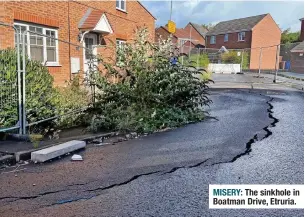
{"type": "Point", "coordinates": [182, 42]}
{"type": "Point", "coordinates": [89, 45]}
{"type": "Point", "coordinates": [121, 5]}
{"type": "Point", "coordinates": [120, 43]}
{"type": "Point", "coordinates": [213, 39]}
{"type": "Point", "coordinates": [38, 47]}
{"type": "Point", "coordinates": [119, 48]}
{"type": "Point", "coordinates": [226, 37]}
{"type": "Point", "coordinates": [241, 36]}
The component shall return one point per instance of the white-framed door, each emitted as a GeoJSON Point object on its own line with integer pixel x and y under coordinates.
{"type": "Point", "coordinates": [90, 42]}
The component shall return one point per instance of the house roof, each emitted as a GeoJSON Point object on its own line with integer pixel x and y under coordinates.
{"type": "Point", "coordinates": [147, 10]}
{"type": "Point", "coordinates": [236, 25]}
{"type": "Point", "coordinates": [95, 20]}
{"type": "Point", "coordinates": [202, 31]}
{"type": "Point", "coordinates": [298, 48]}
{"type": "Point", "coordinates": [180, 32]}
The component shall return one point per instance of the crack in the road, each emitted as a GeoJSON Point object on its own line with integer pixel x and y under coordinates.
{"type": "Point", "coordinates": [185, 167]}
{"type": "Point", "coordinates": [247, 151]}
{"type": "Point", "coordinates": [255, 137]}
{"type": "Point", "coordinates": [104, 188]}
{"type": "Point", "coordinates": [32, 197]}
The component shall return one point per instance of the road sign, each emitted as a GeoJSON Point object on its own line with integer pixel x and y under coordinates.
{"type": "Point", "coordinates": [171, 26]}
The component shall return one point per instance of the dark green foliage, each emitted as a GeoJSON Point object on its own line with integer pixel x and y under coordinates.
{"type": "Point", "coordinates": [289, 37]}
{"type": "Point", "coordinates": [43, 100]}
{"type": "Point", "coordinates": [152, 95]}
{"type": "Point", "coordinates": [39, 90]}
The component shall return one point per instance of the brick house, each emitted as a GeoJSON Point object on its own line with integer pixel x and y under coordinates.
{"type": "Point", "coordinates": [191, 36]}
{"type": "Point", "coordinates": [297, 53]}
{"type": "Point", "coordinates": [297, 58]}
{"type": "Point", "coordinates": [248, 33]}
{"type": "Point", "coordinates": [302, 30]}
{"type": "Point", "coordinates": [97, 25]}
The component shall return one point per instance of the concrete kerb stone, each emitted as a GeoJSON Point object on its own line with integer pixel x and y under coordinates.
{"type": "Point", "coordinates": [46, 154]}
{"type": "Point", "coordinates": [26, 155]}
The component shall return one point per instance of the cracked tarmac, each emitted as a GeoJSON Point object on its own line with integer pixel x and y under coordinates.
{"type": "Point", "coordinates": [253, 140]}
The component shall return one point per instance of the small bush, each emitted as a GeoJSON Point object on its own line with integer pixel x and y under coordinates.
{"type": "Point", "coordinates": [151, 94]}
{"type": "Point", "coordinates": [202, 59]}
{"type": "Point", "coordinates": [233, 58]}
{"type": "Point", "coordinates": [39, 90]}
{"type": "Point", "coordinates": [43, 100]}
{"type": "Point", "coordinates": [72, 100]}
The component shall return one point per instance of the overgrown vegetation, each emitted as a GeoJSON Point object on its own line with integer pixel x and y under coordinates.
{"type": "Point", "coordinates": [289, 37]}
{"type": "Point", "coordinates": [143, 92]}
{"type": "Point", "coordinates": [201, 60]}
{"type": "Point", "coordinates": [150, 94]}
{"type": "Point", "coordinates": [43, 100]}
{"type": "Point", "coordinates": [236, 57]}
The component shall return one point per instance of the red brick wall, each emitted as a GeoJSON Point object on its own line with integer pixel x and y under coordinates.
{"type": "Point", "coordinates": [297, 62]}
{"type": "Point", "coordinates": [302, 31]}
{"type": "Point", "coordinates": [265, 34]}
{"type": "Point", "coordinates": [51, 13]}
{"type": "Point", "coordinates": [194, 34]}
{"type": "Point", "coordinates": [164, 35]}
{"type": "Point", "coordinates": [232, 42]}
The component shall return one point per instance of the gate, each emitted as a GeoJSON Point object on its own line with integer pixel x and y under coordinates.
{"type": "Point", "coordinates": [10, 85]}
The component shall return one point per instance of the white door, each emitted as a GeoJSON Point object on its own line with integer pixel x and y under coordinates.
{"type": "Point", "coordinates": [90, 42]}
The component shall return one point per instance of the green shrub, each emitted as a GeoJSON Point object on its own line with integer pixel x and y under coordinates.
{"type": "Point", "coordinates": [233, 58]}
{"type": "Point", "coordinates": [202, 59]}
{"type": "Point", "coordinates": [39, 89]}
{"type": "Point", "coordinates": [71, 99]}
{"type": "Point", "coordinates": [151, 94]}
{"type": "Point", "coordinates": [43, 100]}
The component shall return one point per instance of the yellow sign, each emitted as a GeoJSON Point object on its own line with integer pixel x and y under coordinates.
{"type": "Point", "coordinates": [171, 26]}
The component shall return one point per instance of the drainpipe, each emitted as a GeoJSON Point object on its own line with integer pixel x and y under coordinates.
{"type": "Point", "coordinates": [69, 34]}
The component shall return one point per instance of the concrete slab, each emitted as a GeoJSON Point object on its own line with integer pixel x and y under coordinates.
{"type": "Point", "coordinates": [56, 151]}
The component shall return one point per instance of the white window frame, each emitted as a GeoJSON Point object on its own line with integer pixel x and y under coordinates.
{"type": "Point", "coordinates": [44, 29]}
{"type": "Point", "coordinates": [120, 5]}
{"type": "Point", "coordinates": [121, 42]}
{"type": "Point", "coordinates": [118, 45]}
{"type": "Point", "coordinates": [240, 35]}
{"type": "Point", "coordinates": [226, 37]}
{"type": "Point", "coordinates": [213, 41]}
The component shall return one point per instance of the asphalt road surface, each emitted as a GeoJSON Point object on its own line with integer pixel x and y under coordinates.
{"type": "Point", "coordinates": [255, 138]}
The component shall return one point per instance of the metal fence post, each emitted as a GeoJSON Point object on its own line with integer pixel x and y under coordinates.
{"type": "Point", "coordinates": [182, 55]}
{"type": "Point", "coordinates": [198, 54]}
{"type": "Point", "coordinates": [276, 63]}
{"type": "Point", "coordinates": [23, 84]}
{"type": "Point", "coordinates": [242, 60]}
{"type": "Point", "coordinates": [260, 62]}
{"type": "Point", "coordinates": [19, 81]}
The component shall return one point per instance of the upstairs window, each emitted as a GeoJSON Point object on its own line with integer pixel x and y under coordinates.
{"type": "Point", "coordinates": [226, 37]}
{"type": "Point", "coordinates": [213, 39]}
{"type": "Point", "coordinates": [241, 36]}
{"type": "Point", "coordinates": [38, 47]}
{"type": "Point", "coordinates": [121, 5]}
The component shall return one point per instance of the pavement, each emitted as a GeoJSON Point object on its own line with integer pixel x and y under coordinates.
{"type": "Point", "coordinates": [256, 81]}
{"type": "Point", "coordinates": [293, 75]}
{"type": "Point", "coordinates": [255, 137]}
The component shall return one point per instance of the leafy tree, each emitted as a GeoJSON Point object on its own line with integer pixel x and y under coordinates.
{"type": "Point", "coordinates": [150, 93]}
{"type": "Point", "coordinates": [289, 37]}
{"type": "Point", "coordinates": [208, 26]}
